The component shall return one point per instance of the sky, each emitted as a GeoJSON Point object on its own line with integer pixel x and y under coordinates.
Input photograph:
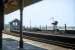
{"type": "Point", "coordinates": [44, 12]}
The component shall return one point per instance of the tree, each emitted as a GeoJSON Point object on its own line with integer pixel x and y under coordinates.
{"type": "Point", "coordinates": [55, 25]}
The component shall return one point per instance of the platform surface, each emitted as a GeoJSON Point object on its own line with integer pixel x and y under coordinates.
{"type": "Point", "coordinates": [12, 42]}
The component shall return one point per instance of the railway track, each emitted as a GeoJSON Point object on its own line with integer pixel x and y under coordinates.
{"type": "Point", "coordinates": [59, 43]}
{"type": "Point", "coordinates": [54, 42]}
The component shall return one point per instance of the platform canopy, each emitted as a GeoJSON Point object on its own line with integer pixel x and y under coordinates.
{"type": "Point", "coordinates": [13, 5]}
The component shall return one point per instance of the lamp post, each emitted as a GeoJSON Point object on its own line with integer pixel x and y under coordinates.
{"type": "Point", "coordinates": [21, 18]}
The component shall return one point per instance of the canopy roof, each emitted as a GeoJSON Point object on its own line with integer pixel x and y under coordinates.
{"type": "Point", "coordinates": [13, 5]}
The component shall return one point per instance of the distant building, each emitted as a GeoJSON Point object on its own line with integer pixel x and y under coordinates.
{"type": "Point", "coordinates": [15, 25]}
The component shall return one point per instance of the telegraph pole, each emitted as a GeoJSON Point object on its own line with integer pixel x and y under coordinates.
{"type": "Point", "coordinates": [30, 23]}
{"type": "Point", "coordinates": [21, 22]}
{"type": "Point", "coordinates": [46, 27]}
{"type": "Point", "coordinates": [1, 21]}
{"type": "Point", "coordinates": [65, 27]}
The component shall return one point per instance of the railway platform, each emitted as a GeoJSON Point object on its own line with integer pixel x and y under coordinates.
{"type": "Point", "coordinates": [11, 43]}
